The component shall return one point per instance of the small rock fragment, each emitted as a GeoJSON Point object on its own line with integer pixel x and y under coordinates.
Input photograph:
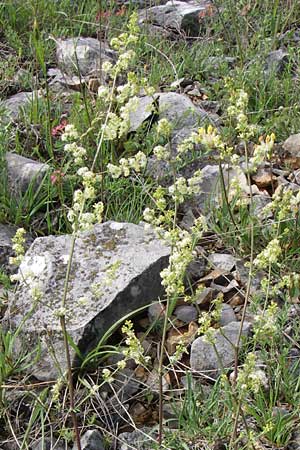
{"type": "Point", "coordinates": [203, 356]}
{"type": "Point", "coordinates": [91, 440]}
{"type": "Point", "coordinates": [186, 313]}
{"type": "Point", "coordinates": [222, 261]}
{"type": "Point", "coordinates": [227, 315]}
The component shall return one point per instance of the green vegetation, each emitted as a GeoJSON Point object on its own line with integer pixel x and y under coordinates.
{"type": "Point", "coordinates": [98, 172]}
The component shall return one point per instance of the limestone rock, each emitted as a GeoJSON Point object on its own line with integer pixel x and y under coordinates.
{"type": "Point", "coordinates": [82, 56]}
{"type": "Point", "coordinates": [184, 116]}
{"type": "Point", "coordinates": [292, 148]}
{"type": "Point", "coordinates": [186, 313]}
{"type": "Point", "coordinates": [227, 315]}
{"type": "Point", "coordinates": [203, 356]}
{"type": "Point", "coordinates": [23, 173]}
{"type": "Point", "coordinates": [91, 440]}
{"type": "Point", "coordinates": [142, 113]}
{"type": "Point", "coordinates": [14, 104]}
{"type": "Point", "coordinates": [222, 261]}
{"type": "Point", "coordinates": [276, 61]}
{"type": "Point", "coordinates": [97, 297]}
{"type": "Point", "coordinates": [176, 15]}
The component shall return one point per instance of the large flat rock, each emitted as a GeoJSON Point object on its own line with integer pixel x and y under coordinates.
{"type": "Point", "coordinates": [180, 16]}
{"type": "Point", "coordinates": [95, 300]}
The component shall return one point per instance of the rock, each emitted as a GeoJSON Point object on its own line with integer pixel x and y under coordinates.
{"type": "Point", "coordinates": [222, 261]}
{"type": "Point", "coordinates": [125, 384]}
{"type": "Point", "coordinates": [153, 382]}
{"type": "Point", "coordinates": [216, 62]}
{"type": "Point", "coordinates": [211, 188]}
{"type": "Point", "coordinates": [227, 315]}
{"type": "Point", "coordinates": [196, 269]}
{"type": "Point", "coordinates": [206, 296]}
{"type": "Point", "coordinates": [292, 148]}
{"type": "Point", "coordinates": [294, 443]}
{"type": "Point", "coordinates": [91, 440]}
{"type": "Point", "coordinates": [259, 203]}
{"type": "Point", "coordinates": [96, 299]}
{"type": "Point", "coordinates": [48, 444]}
{"type": "Point", "coordinates": [143, 112]}
{"type": "Point", "coordinates": [276, 61]}
{"type": "Point", "coordinates": [82, 56]}
{"type": "Point", "coordinates": [263, 178]}
{"type": "Point", "coordinates": [203, 356]}
{"type": "Point", "coordinates": [156, 312]}
{"type": "Point", "coordinates": [242, 274]}
{"type": "Point", "coordinates": [139, 439]}
{"type": "Point", "coordinates": [24, 173]}
{"type": "Point", "coordinates": [14, 105]}
{"type": "Point", "coordinates": [182, 113]}
{"type": "Point", "coordinates": [186, 313]}
{"type": "Point", "coordinates": [180, 16]}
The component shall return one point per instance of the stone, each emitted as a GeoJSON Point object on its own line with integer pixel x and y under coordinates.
{"type": "Point", "coordinates": [156, 312]}
{"type": "Point", "coordinates": [294, 443]}
{"type": "Point", "coordinates": [222, 261]}
{"type": "Point", "coordinates": [276, 61]}
{"type": "Point", "coordinates": [91, 440]}
{"type": "Point", "coordinates": [291, 147]}
{"type": "Point", "coordinates": [125, 384]}
{"type": "Point", "coordinates": [182, 113]}
{"type": "Point", "coordinates": [196, 269]}
{"type": "Point", "coordinates": [227, 315]}
{"type": "Point", "coordinates": [263, 178]}
{"type": "Point", "coordinates": [139, 439]}
{"type": "Point", "coordinates": [216, 62]}
{"type": "Point", "coordinates": [96, 300]}
{"type": "Point", "coordinates": [203, 356]}
{"type": "Point", "coordinates": [48, 444]}
{"type": "Point", "coordinates": [143, 112]}
{"type": "Point", "coordinates": [153, 382]}
{"type": "Point", "coordinates": [259, 203]}
{"type": "Point", "coordinates": [24, 173]}
{"type": "Point", "coordinates": [211, 188]}
{"type": "Point", "coordinates": [206, 296]}
{"type": "Point", "coordinates": [186, 313]}
{"type": "Point", "coordinates": [16, 103]}
{"type": "Point", "coordinates": [180, 16]}
{"type": "Point", "coordinates": [82, 56]}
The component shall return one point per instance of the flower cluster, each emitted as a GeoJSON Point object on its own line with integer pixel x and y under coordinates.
{"type": "Point", "coordinates": [262, 151]}
{"type": "Point", "coordinates": [80, 219]}
{"type": "Point", "coordinates": [70, 133]}
{"type": "Point", "coordinates": [18, 247]}
{"type": "Point", "coordinates": [121, 44]}
{"type": "Point", "coordinates": [183, 188]}
{"type": "Point", "coordinates": [269, 255]}
{"type": "Point", "coordinates": [237, 110]}
{"type": "Point", "coordinates": [208, 137]}
{"type": "Point", "coordinates": [134, 347]}
{"type": "Point", "coordinates": [136, 163]}
{"type": "Point", "coordinates": [265, 324]}
{"type": "Point", "coordinates": [76, 151]}
{"type": "Point", "coordinates": [250, 378]}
